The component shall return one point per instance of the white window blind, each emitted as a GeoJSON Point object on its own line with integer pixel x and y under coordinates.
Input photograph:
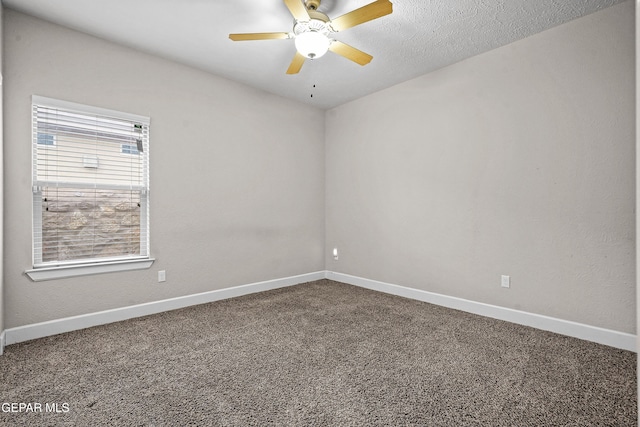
{"type": "Point", "coordinates": [90, 199]}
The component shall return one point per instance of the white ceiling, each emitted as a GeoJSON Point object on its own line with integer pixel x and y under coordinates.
{"type": "Point", "coordinates": [418, 37]}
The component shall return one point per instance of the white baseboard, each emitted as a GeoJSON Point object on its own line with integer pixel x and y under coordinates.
{"type": "Point", "coordinates": [608, 337]}
{"type": "Point", "coordinates": [54, 327]}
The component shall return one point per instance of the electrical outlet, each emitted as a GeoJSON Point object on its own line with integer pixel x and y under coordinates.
{"type": "Point", "coordinates": [162, 276]}
{"type": "Point", "coordinates": [335, 253]}
{"type": "Point", "coordinates": [505, 282]}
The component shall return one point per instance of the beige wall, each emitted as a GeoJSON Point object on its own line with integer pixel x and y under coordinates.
{"type": "Point", "coordinates": [237, 195]}
{"type": "Point", "coordinates": [519, 161]}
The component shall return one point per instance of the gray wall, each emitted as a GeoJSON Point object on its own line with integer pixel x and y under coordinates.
{"type": "Point", "coordinates": [519, 161]}
{"type": "Point", "coordinates": [637, 57]}
{"type": "Point", "coordinates": [1, 178]}
{"type": "Point", "coordinates": [237, 195]}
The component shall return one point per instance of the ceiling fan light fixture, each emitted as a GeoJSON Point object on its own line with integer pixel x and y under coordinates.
{"type": "Point", "coordinates": [312, 44]}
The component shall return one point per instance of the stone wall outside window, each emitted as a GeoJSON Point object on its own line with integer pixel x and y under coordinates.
{"type": "Point", "coordinates": [81, 223]}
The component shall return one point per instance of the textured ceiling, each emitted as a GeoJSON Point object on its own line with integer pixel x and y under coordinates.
{"type": "Point", "coordinates": [418, 37]}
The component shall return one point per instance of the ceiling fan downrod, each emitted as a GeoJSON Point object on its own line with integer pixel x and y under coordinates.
{"type": "Point", "coordinates": [312, 4]}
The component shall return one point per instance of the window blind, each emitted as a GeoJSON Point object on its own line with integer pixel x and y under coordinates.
{"type": "Point", "coordinates": [90, 194]}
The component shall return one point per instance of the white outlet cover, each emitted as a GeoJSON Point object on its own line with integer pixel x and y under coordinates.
{"type": "Point", "coordinates": [505, 281]}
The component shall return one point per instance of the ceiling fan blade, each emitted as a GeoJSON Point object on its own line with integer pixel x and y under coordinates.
{"type": "Point", "coordinates": [366, 13]}
{"type": "Point", "coordinates": [350, 52]}
{"type": "Point", "coordinates": [258, 36]}
{"type": "Point", "coordinates": [297, 9]}
{"type": "Point", "coordinates": [296, 64]}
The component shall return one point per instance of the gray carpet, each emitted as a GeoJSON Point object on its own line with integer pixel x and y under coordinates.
{"type": "Point", "coordinates": [321, 353]}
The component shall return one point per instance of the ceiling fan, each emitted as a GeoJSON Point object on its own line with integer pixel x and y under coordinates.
{"type": "Point", "coordinates": [312, 30]}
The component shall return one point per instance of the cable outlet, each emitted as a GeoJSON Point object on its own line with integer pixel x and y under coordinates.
{"type": "Point", "coordinates": [162, 276]}
{"type": "Point", "coordinates": [505, 282]}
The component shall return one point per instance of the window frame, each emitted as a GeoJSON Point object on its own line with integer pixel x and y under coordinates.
{"type": "Point", "coordinates": [87, 266]}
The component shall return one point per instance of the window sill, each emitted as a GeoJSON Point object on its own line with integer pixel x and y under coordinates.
{"type": "Point", "coordinates": [63, 272]}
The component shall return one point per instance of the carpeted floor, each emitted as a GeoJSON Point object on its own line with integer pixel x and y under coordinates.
{"type": "Point", "coordinates": [321, 353]}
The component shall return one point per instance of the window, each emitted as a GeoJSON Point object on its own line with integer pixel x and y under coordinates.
{"type": "Point", "coordinates": [90, 196]}
{"type": "Point", "coordinates": [46, 139]}
{"type": "Point", "coordinates": [129, 149]}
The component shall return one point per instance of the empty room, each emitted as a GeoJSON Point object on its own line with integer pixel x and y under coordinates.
{"type": "Point", "coordinates": [318, 212]}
